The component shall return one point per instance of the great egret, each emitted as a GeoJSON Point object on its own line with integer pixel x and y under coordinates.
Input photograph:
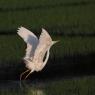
{"type": "Point", "coordinates": [36, 49]}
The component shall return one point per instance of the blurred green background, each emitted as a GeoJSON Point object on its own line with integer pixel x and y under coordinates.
{"type": "Point", "coordinates": [63, 16]}
{"type": "Point", "coordinates": [70, 21]}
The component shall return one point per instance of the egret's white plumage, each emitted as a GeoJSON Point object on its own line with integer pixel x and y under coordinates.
{"type": "Point", "coordinates": [30, 39]}
{"type": "Point", "coordinates": [36, 49]}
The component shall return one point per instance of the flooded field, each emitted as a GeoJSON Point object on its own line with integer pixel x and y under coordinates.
{"type": "Point", "coordinates": [70, 69]}
{"type": "Point", "coordinates": [71, 86]}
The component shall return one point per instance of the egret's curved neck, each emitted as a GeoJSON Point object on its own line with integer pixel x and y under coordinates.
{"type": "Point", "coordinates": [47, 57]}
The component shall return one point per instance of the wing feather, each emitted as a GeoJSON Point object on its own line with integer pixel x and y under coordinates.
{"type": "Point", "coordinates": [45, 42]}
{"type": "Point", "coordinates": [30, 39]}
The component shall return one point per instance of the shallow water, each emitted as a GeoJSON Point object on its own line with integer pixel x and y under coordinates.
{"type": "Point", "coordinates": [25, 88]}
{"type": "Point", "coordinates": [47, 87]}
{"type": "Point", "coordinates": [76, 86]}
{"type": "Point", "coordinates": [21, 88]}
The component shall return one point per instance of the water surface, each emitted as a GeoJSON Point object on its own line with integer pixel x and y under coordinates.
{"type": "Point", "coordinates": [70, 86]}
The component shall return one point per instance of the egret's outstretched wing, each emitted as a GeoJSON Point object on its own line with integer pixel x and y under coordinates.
{"type": "Point", "coordinates": [45, 42]}
{"type": "Point", "coordinates": [30, 39]}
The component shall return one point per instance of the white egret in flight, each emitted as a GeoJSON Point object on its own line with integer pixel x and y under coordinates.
{"type": "Point", "coordinates": [36, 49]}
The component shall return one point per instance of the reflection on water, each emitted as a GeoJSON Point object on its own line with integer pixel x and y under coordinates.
{"type": "Point", "coordinates": [76, 86]}
{"type": "Point", "coordinates": [32, 88]}
{"type": "Point", "coordinates": [23, 88]}
{"type": "Point", "coordinates": [36, 92]}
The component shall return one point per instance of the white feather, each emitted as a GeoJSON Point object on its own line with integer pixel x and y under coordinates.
{"type": "Point", "coordinates": [36, 50]}
{"type": "Point", "coordinates": [30, 39]}
{"type": "Point", "coordinates": [45, 43]}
